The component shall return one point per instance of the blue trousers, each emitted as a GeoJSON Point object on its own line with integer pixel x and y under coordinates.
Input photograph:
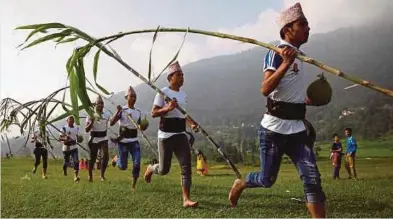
{"type": "Point", "coordinates": [75, 158]}
{"type": "Point", "coordinates": [134, 149]}
{"type": "Point", "coordinates": [272, 147]}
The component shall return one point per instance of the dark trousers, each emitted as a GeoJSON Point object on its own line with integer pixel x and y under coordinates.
{"type": "Point", "coordinates": [103, 147]}
{"type": "Point", "coordinates": [38, 153]}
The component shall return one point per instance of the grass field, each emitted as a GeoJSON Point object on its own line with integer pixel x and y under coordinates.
{"type": "Point", "coordinates": [370, 196]}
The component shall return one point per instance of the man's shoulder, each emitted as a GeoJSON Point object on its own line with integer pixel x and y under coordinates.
{"type": "Point", "coordinates": [271, 52]}
{"type": "Point", "coordinates": [165, 89]}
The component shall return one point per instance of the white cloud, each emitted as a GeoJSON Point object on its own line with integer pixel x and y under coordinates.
{"type": "Point", "coordinates": [264, 29]}
{"type": "Point", "coordinates": [323, 16]}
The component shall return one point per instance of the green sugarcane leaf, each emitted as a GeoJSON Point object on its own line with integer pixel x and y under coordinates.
{"type": "Point", "coordinates": [82, 91]}
{"type": "Point", "coordinates": [151, 50]}
{"type": "Point", "coordinates": [67, 40]}
{"type": "Point", "coordinates": [95, 65]}
{"type": "Point", "coordinates": [35, 26]}
{"type": "Point", "coordinates": [74, 95]}
{"type": "Point", "coordinates": [48, 37]}
{"type": "Point", "coordinates": [64, 115]}
{"type": "Point", "coordinates": [95, 70]}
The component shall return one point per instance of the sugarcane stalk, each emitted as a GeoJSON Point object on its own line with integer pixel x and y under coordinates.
{"type": "Point", "coordinates": [352, 86]}
{"type": "Point", "coordinates": [53, 156]}
{"type": "Point", "coordinates": [299, 56]}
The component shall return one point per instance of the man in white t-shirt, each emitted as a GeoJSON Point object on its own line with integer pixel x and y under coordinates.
{"type": "Point", "coordinates": [98, 138]}
{"type": "Point", "coordinates": [128, 117]}
{"type": "Point", "coordinates": [283, 128]}
{"type": "Point", "coordinates": [69, 135]}
{"type": "Point", "coordinates": [171, 133]}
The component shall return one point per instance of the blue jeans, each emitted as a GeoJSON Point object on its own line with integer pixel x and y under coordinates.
{"type": "Point", "coordinates": [134, 149]}
{"type": "Point", "coordinates": [272, 147]}
{"type": "Point", "coordinates": [75, 158]}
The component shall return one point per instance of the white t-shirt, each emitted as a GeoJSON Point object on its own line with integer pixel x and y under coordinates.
{"type": "Point", "coordinates": [37, 136]}
{"type": "Point", "coordinates": [125, 121]}
{"type": "Point", "coordinates": [292, 89]}
{"type": "Point", "coordinates": [72, 132]}
{"type": "Point", "coordinates": [181, 98]}
{"type": "Point", "coordinates": [100, 125]}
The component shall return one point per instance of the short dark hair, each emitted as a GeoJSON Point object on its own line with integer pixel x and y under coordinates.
{"type": "Point", "coordinates": [335, 134]}
{"type": "Point", "coordinates": [282, 34]}
{"type": "Point", "coordinates": [348, 129]}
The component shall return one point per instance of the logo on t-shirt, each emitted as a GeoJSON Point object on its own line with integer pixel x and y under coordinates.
{"type": "Point", "coordinates": [295, 68]}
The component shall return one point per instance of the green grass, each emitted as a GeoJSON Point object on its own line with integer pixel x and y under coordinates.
{"type": "Point", "coordinates": [58, 196]}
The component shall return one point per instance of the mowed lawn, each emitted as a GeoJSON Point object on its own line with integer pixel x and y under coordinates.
{"type": "Point", "coordinates": [26, 195]}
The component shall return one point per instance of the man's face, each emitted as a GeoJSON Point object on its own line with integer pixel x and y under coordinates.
{"type": "Point", "coordinates": [300, 31]}
{"type": "Point", "coordinates": [131, 99]}
{"type": "Point", "coordinates": [177, 78]}
{"type": "Point", "coordinates": [347, 133]}
{"type": "Point", "coordinates": [70, 121]}
{"type": "Point", "coordinates": [99, 105]}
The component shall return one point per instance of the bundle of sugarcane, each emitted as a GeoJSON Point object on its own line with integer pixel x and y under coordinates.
{"type": "Point", "coordinates": [35, 114]}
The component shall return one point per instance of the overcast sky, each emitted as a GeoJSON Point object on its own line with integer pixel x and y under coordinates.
{"type": "Point", "coordinates": [35, 72]}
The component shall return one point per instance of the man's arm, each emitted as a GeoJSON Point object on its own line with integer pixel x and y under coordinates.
{"type": "Point", "coordinates": [89, 124]}
{"type": "Point", "coordinates": [272, 78]}
{"type": "Point", "coordinates": [192, 125]}
{"type": "Point", "coordinates": [116, 117]}
{"type": "Point", "coordinates": [158, 111]}
{"type": "Point", "coordinates": [63, 135]}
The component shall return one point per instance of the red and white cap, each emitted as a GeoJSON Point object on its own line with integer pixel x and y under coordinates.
{"type": "Point", "coordinates": [290, 15]}
{"type": "Point", "coordinates": [130, 90]}
{"type": "Point", "coordinates": [174, 67]}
